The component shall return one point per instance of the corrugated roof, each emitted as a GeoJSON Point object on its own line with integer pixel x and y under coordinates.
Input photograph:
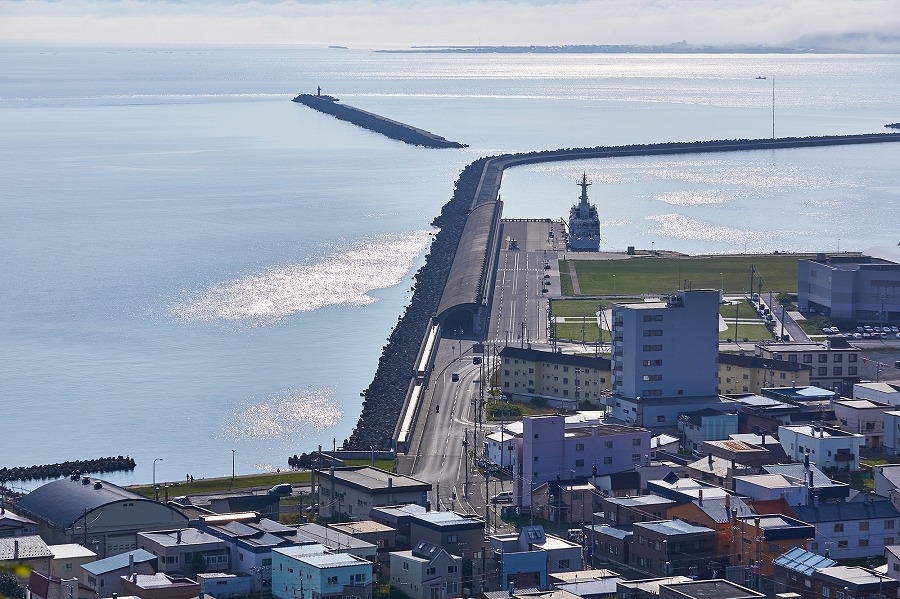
{"type": "Point", "coordinates": [836, 512]}
{"type": "Point", "coordinates": [117, 562]}
{"type": "Point", "coordinates": [673, 527]}
{"type": "Point", "coordinates": [64, 501]}
{"type": "Point", "coordinates": [27, 547]}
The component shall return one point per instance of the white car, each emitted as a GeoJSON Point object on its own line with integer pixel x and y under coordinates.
{"type": "Point", "coordinates": [502, 497]}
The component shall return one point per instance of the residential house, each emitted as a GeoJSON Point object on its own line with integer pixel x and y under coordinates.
{"type": "Point", "coordinates": [96, 513]}
{"type": "Point", "coordinates": [427, 571]}
{"type": "Point", "coordinates": [68, 559]}
{"type": "Point", "coordinates": [718, 471]}
{"type": "Point", "coordinates": [747, 373]}
{"type": "Point", "coordinates": [624, 511]}
{"type": "Point", "coordinates": [618, 484]}
{"type": "Point", "coordinates": [223, 585]}
{"type": "Point", "coordinates": [852, 530]}
{"type": "Point", "coordinates": [547, 450]}
{"type": "Point", "coordinates": [739, 451]}
{"type": "Point", "coordinates": [186, 551]}
{"type": "Point", "coordinates": [30, 551]}
{"type": "Point", "coordinates": [398, 517]}
{"type": "Point", "coordinates": [887, 482]}
{"type": "Point", "coordinates": [892, 432]}
{"type": "Point", "coordinates": [704, 589]}
{"type": "Point", "coordinates": [607, 543]}
{"type": "Point", "coordinates": [828, 447]}
{"type": "Point", "coordinates": [648, 588]}
{"type": "Point", "coordinates": [706, 425]}
{"type": "Point", "coordinates": [383, 537]}
{"type": "Point", "coordinates": [822, 488]}
{"type": "Point", "coordinates": [14, 525]}
{"type": "Point", "coordinates": [716, 514]}
{"type": "Point", "coordinates": [499, 447]}
{"type": "Point", "coordinates": [794, 569]}
{"type": "Point", "coordinates": [335, 541]}
{"type": "Point", "coordinates": [104, 577]}
{"type": "Point", "coordinates": [525, 558]}
{"type": "Point", "coordinates": [839, 582]}
{"type": "Point", "coordinates": [672, 547]}
{"type": "Point", "coordinates": [564, 502]}
{"type": "Point", "coordinates": [459, 534]}
{"type": "Point", "coordinates": [760, 539]}
{"type": "Point", "coordinates": [892, 553]}
{"type": "Point", "coordinates": [45, 586]}
{"type": "Point", "coordinates": [863, 416]}
{"type": "Point", "coordinates": [319, 575]}
{"type": "Point", "coordinates": [353, 492]}
{"type": "Point", "coordinates": [159, 586]}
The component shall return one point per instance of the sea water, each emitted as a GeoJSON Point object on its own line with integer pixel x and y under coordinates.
{"type": "Point", "coordinates": [192, 264]}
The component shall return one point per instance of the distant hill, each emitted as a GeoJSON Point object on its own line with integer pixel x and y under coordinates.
{"type": "Point", "coordinates": [852, 43]}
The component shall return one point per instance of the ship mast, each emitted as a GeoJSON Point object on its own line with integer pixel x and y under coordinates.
{"type": "Point", "coordinates": [584, 185]}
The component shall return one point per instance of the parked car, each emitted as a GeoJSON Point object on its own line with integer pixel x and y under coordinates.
{"type": "Point", "coordinates": [502, 497]}
{"type": "Point", "coordinates": [860, 330]}
{"type": "Point", "coordinates": [895, 330]}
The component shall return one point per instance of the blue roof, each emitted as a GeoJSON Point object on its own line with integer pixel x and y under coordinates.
{"type": "Point", "coordinates": [802, 561]}
{"type": "Point", "coordinates": [837, 512]}
{"type": "Point", "coordinates": [118, 562]}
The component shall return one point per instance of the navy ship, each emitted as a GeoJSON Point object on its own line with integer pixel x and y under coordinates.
{"type": "Point", "coordinates": [584, 224]}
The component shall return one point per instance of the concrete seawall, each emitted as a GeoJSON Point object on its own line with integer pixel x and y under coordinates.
{"type": "Point", "coordinates": [373, 122]}
{"type": "Point", "coordinates": [480, 183]}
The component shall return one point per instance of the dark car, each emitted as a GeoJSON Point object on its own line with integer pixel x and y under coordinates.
{"type": "Point", "coordinates": [282, 489]}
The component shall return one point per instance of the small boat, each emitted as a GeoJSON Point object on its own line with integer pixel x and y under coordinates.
{"type": "Point", "coordinates": [760, 77]}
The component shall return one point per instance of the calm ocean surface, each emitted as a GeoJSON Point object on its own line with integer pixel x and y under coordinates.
{"type": "Point", "coordinates": [190, 263]}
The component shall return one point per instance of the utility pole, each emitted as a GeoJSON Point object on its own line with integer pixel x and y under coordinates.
{"type": "Point", "coordinates": [465, 444]}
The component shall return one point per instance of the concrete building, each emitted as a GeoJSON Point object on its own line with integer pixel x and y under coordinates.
{"type": "Point", "coordinates": [883, 392]}
{"type": "Point", "coordinates": [335, 541]}
{"type": "Point", "coordinates": [98, 514]}
{"type": "Point", "coordinates": [625, 511]}
{"type": "Point", "coordinates": [835, 363]}
{"type": "Point", "coordinates": [68, 559]}
{"type": "Point", "coordinates": [747, 373]}
{"type": "Point", "coordinates": [852, 581]}
{"type": "Point", "coordinates": [706, 589]}
{"type": "Point", "coordinates": [104, 576]}
{"type": "Point", "coordinates": [527, 373]}
{"type": "Point", "coordinates": [852, 530]}
{"type": "Point", "coordinates": [458, 534]}
{"type": "Point", "coordinates": [320, 576]}
{"type": "Point", "coordinates": [760, 539]}
{"type": "Point", "coordinates": [858, 288]}
{"type": "Point", "coordinates": [706, 425]}
{"type": "Point", "coordinates": [828, 447]}
{"type": "Point", "coordinates": [547, 451]}
{"type": "Point", "coordinates": [863, 416]}
{"type": "Point", "coordinates": [223, 585]}
{"type": "Point", "coordinates": [159, 586]}
{"type": "Point", "coordinates": [353, 492]}
{"type": "Point", "coordinates": [427, 571]}
{"type": "Point", "coordinates": [525, 558]}
{"type": "Point", "coordinates": [186, 551]}
{"type": "Point", "coordinates": [672, 547]}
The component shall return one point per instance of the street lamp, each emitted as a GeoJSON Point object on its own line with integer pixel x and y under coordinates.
{"type": "Point", "coordinates": [372, 448]}
{"type": "Point", "coordinates": [232, 464]}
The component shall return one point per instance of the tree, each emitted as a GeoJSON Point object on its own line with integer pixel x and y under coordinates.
{"type": "Point", "coordinates": [9, 587]}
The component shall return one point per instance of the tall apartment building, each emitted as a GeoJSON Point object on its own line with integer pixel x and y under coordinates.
{"type": "Point", "coordinates": [664, 358]}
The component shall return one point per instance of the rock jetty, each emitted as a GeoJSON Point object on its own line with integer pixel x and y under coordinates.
{"type": "Point", "coordinates": [373, 122]}
{"type": "Point", "coordinates": [61, 469]}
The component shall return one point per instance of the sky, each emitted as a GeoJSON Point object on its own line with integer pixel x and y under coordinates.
{"type": "Point", "coordinates": [401, 23]}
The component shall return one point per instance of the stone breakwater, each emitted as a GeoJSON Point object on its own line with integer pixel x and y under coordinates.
{"type": "Point", "coordinates": [66, 468]}
{"type": "Point", "coordinates": [385, 396]}
{"type": "Point", "coordinates": [373, 122]}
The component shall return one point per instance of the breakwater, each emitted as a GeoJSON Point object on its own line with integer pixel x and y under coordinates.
{"type": "Point", "coordinates": [60, 469]}
{"type": "Point", "coordinates": [479, 183]}
{"type": "Point", "coordinates": [373, 122]}
{"type": "Point", "coordinates": [384, 397]}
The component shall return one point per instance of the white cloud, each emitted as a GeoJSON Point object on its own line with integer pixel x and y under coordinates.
{"type": "Point", "coordinates": [400, 23]}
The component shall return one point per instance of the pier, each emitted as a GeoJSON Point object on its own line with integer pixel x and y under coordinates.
{"type": "Point", "coordinates": [377, 123]}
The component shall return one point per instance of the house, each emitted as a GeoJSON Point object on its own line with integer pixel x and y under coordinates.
{"type": "Point", "coordinates": [892, 432]}
{"type": "Point", "coordinates": [852, 530]}
{"type": "Point", "coordinates": [835, 363]}
{"type": "Point", "coordinates": [565, 378]}
{"type": "Point", "coordinates": [223, 585]}
{"type": "Point", "coordinates": [760, 539]}
{"type": "Point", "coordinates": [888, 393]}
{"type": "Point", "coordinates": [460, 535]}
{"type": "Point", "coordinates": [706, 425]}
{"type": "Point", "coordinates": [716, 514]}
{"type": "Point", "coordinates": [739, 451]}
{"type": "Point", "coordinates": [863, 416]}
{"type": "Point", "coordinates": [498, 448]}
{"type": "Point", "coordinates": [767, 487]}
{"type": "Point", "coordinates": [647, 588]}
{"type": "Point", "coordinates": [320, 575]}
{"type": "Point", "coordinates": [525, 558]}
{"type": "Point", "coordinates": [548, 450]}
{"type": "Point", "coordinates": [793, 571]}
{"type": "Point", "coordinates": [383, 537]}
{"type": "Point", "coordinates": [44, 586]}
{"type": "Point", "coordinates": [717, 471]}
{"type": "Point", "coordinates": [30, 551]}
{"type": "Point", "coordinates": [353, 492]}
{"type": "Point", "coordinates": [335, 541]}
{"type": "Point", "coordinates": [68, 559]}
{"type": "Point", "coordinates": [186, 551]}
{"type": "Point", "coordinates": [852, 581]}
{"type": "Point", "coordinates": [887, 482]}
{"type": "Point", "coordinates": [821, 487]}
{"type": "Point", "coordinates": [96, 513]}
{"type": "Point", "coordinates": [618, 484]}
{"type": "Point", "coordinates": [671, 547]}
{"type": "Point", "coordinates": [623, 511]}
{"type": "Point", "coordinates": [607, 543]}
{"type": "Point", "coordinates": [828, 447]}
{"type": "Point", "coordinates": [159, 586]}
{"type": "Point", "coordinates": [682, 490]}
{"type": "Point", "coordinates": [748, 373]}
{"type": "Point", "coordinates": [564, 502]}
{"type": "Point", "coordinates": [14, 525]}
{"type": "Point", "coordinates": [250, 539]}
{"type": "Point", "coordinates": [398, 517]}
{"type": "Point", "coordinates": [104, 577]}
{"type": "Point", "coordinates": [892, 553]}
{"type": "Point", "coordinates": [427, 571]}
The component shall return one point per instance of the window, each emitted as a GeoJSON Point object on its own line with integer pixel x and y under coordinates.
{"type": "Point", "coordinates": [452, 538]}
{"type": "Point", "coordinates": [843, 544]}
{"type": "Point", "coordinates": [888, 541]}
{"type": "Point", "coordinates": [864, 525]}
{"type": "Point", "coordinates": [579, 463]}
{"type": "Point", "coordinates": [839, 527]}
{"type": "Point", "coordinates": [807, 358]}
{"type": "Point", "coordinates": [851, 358]}
{"type": "Point", "coordinates": [332, 579]}
{"type": "Point", "coordinates": [823, 371]}
{"type": "Point", "coordinates": [773, 547]}
{"type": "Point", "coordinates": [563, 564]}
{"type": "Point", "coordinates": [823, 358]}
{"type": "Point", "coordinates": [864, 542]}
{"type": "Point", "coordinates": [838, 371]}
{"type": "Point", "coordinates": [838, 358]}
{"type": "Point", "coordinates": [451, 569]}
{"type": "Point", "coordinates": [579, 447]}
{"type": "Point", "coordinates": [430, 571]}
{"type": "Point", "coordinates": [607, 444]}
{"type": "Point", "coordinates": [851, 370]}
{"type": "Point", "coordinates": [405, 566]}
{"type": "Point", "coordinates": [889, 523]}
{"type": "Point", "coordinates": [636, 442]}
{"type": "Point", "coordinates": [661, 418]}
{"type": "Point", "coordinates": [607, 460]}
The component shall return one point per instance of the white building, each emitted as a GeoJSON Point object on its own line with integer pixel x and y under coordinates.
{"type": "Point", "coordinates": [499, 447]}
{"type": "Point", "coordinates": [828, 447]}
{"type": "Point", "coordinates": [883, 392]}
{"type": "Point", "coordinates": [863, 416]}
{"type": "Point", "coordinates": [426, 572]}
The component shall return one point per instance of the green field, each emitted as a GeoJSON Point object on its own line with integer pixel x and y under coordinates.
{"type": "Point", "coordinates": [639, 276]}
{"type": "Point", "coordinates": [206, 485]}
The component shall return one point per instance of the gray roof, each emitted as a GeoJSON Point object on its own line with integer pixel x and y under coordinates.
{"type": "Point", "coordinates": [836, 512]}
{"type": "Point", "coordinates": [117, 562]}
{"type": "Point", "coordinates": [673, 527]}
{"type": "Point", "coordinates": [802, 561]}
{"type": "Point", "coordinates": [612, 531]}
{"type": "Point", "coordinates": [332, 539]}
{"type": "Point", "coordinates": [28, 547]}
{"type": "Point", "coordinates": [189, 536]}
{"type": "Point", "coordinates": [64, 501]}
{"type": "Point", "coordinates": [799, 472]}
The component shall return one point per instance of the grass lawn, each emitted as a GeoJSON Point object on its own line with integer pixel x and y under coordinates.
{"type": "Point", "coordinates": [751, 332]}
{"type": "Point", "coordinates": [565, 280]}
{"type": "Point", "coordinates": [226, 483]}
{"type": "Point", "coordinates": [640, 276]}
{"type": "Point", "coordinates": [386, 465]}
